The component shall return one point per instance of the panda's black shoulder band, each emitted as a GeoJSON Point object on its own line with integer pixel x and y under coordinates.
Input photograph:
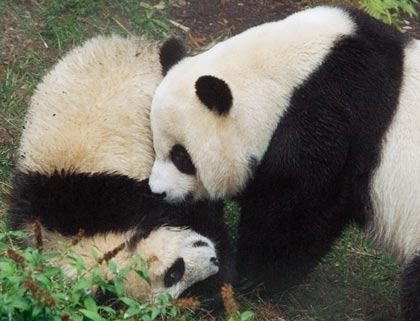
{"type": "Point", "coordinates": [67, 202]}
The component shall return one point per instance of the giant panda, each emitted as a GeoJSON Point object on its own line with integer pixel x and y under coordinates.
{"type": "Point", "coordinates": [84, 159]}
{"type": "Point", "coordinates": [311, 123]}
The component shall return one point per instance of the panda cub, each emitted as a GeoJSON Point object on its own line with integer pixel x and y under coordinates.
{"type": "Point", "coordinates": [84, 159]}
{"type": "Point", "coordinates": [312, 123]}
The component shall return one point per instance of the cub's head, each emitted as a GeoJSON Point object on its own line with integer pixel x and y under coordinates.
{"type": "Point", "coordinates": [204, 147]}
{"type": "Point", "coordinates": [177, 259]}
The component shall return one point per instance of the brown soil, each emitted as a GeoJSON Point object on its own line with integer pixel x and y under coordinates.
{"type": "Point", "coordinates": [207, 21]}
{"type": "Point", "coordinates": [6, 137]}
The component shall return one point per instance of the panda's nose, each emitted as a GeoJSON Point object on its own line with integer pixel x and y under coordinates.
{"type": "Point", "coordinates": [161, 195]}
{"type": "Point", "coordinates": [214, 260]}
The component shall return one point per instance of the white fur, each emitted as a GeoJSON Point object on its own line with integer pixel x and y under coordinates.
{"type": "Point", "coordinates": [90, 113]}
{"type": "Point", "coordinates": [168, 244]}
{"type": "Point", "coordinates": [395, 185]}
{"type": "Point", "coordinates": [168, 179]}
{"type": "Point", "coordinates": [279, 56]}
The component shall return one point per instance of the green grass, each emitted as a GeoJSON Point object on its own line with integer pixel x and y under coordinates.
{"type": "Point", "coordinates": [354, 282]}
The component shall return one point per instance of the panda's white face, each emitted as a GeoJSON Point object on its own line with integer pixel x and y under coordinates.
{"type": "Point", "coordinates": [186, 165]}
{"type": "Point", "coordinates": [213, 115]}
{"type": "Point", "coordinates": [177, 258]}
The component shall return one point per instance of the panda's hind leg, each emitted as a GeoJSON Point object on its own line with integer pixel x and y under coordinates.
{"type": "Point", "coordinates": [410, 290]}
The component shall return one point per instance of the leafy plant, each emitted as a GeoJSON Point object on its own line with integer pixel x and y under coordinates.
{"type": "Point", "coordinates": [31, 288]}
{"type": "Point", "coordinates": [151, 22]}
{"type": "Point", "coordinates": [390, 11]}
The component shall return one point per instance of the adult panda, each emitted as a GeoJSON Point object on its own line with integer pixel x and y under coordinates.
{"type": "Point", "coordinates": [312, 122]}
{"type": "Point", "coordinates": [84, 159]}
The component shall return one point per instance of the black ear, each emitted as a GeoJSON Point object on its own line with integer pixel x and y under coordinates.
{"type": "Point", "coordinates": [171, 52]}
{"type": "Point", "coordinates": [214, 93]}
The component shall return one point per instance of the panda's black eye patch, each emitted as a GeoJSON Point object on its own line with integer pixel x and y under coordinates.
{"type": "Point", "coordinates": [182, 160]}
{"type": "Point", "coordinates": [200, 243]}
{"type": "Point", "coordinates": [175, 273]}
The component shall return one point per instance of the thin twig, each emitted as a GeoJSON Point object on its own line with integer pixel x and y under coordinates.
{"type": "Point", "coordinates": [43, 41]}
{"type": "Point", "coordinates": [180, 26]}
{"type": "Point", "coordinates": [122, 26]}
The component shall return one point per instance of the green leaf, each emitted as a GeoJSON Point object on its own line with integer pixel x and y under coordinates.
{"type": "Point", "coordinates": [140, 21]}
{"type": "Point", "coordinates": [20, 304]}
{"type": "Point", "coordinates": [113, 267]}
{"type": "Point", "coordinates": [155, 312]}
{"type": "Point", "coordinates": [247, 315]}
{"type": "Point", "coordinates": [92, 315]}
{"type": "Point", "coordinates": [90, 304]}
{"type": "Point", "coordinates": [162, 24]}
{"type": "Point", "coordinates": [42, 279]}
{"type": "Point", "coordinates": [150, 13]}
{"type": "Point", "coordinates": [129, 302]}
{"type": "Point", "coordinates": [143, 272]}
{"type": "Point", "coordinates": [7, 268]}
{"type": "Point", "coordinates": [119, 287]}
{"type": "Point", "coordinates": [173, 312]}
{"type": "Point", "coordinates": [108, 310]}
{"type": "Point", "coordinates": [36, 312]}
{"type": "Point", "coordinates": [50, 255]}
{"type": "Point", "coordinates": [82, 284]}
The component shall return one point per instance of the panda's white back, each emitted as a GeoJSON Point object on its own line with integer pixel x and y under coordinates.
{"type": "Point", "coordinates": [79, 104]}
{"type": "Point", "coordinates": [395, 186]}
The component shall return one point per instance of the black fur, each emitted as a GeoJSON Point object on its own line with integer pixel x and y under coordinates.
{"type": "Point", "coordinates": [214, 93]}
{"type": "Point", "coordinates": [410, 290]}
{"type": "Point", "coordinates": [104, 202]}
{"type": "Point", "coordinates": [175, 273]}
{"type": "Point", "coordinates": [66, 202]}
{"type": "Point", "coordinates": [208, 290]}
{"type": "Point", "coordinates": [314, 178]}
{"type": "Point", "coordinates": [182, 160]}
{"type": "Point", "coordinates": [200, 244]}
{"type": "Point", "coordinates": [171, 52]}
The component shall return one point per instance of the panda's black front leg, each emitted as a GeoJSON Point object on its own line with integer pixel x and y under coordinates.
{"type": "Point", "coordinates": [282, 240]}
{"type": "Point", "coordinates": [410, 290]}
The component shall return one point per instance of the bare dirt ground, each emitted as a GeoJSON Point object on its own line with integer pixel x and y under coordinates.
{"type": "Point", "coordinates": [212, 20]}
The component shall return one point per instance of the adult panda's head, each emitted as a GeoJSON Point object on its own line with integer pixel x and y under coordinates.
{"type": "Point", "coordinates": [214, 114]}
{"type": "Point", "coordinates": [199, 150]}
